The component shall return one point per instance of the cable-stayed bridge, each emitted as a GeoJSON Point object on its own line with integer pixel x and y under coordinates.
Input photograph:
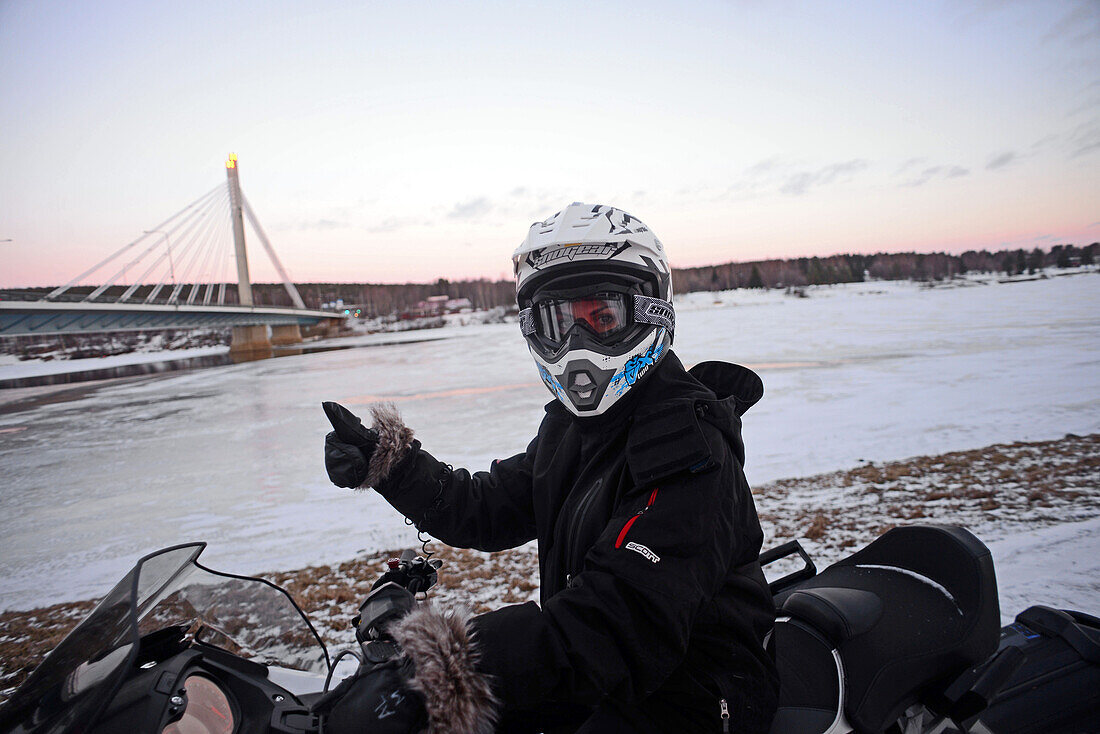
{"type": "Point", "coordinates": [174, 276]}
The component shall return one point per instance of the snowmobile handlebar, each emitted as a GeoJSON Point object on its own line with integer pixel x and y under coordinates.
{"type": "Point", "coordinates": [394, 593]}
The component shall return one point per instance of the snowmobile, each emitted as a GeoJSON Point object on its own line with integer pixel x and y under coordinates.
{"type": "Point", "coordinates": [901, 637]}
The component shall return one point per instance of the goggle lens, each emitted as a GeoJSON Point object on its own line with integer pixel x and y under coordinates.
{"type": "Point", "coordinates": [605, 315]}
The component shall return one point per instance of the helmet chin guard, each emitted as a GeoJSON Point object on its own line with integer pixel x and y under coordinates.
{"type": "Point", "coordinates": [588, 383]}
{"type": "Point", "coordinates": [595, 294]}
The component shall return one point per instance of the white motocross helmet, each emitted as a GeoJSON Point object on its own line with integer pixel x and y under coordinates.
{"type": "Point", "coordinates": [595, 295]}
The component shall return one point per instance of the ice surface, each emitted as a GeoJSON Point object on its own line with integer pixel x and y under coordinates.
{"type": "Point", "coordinates": [13, 368]}
{"type": "Point", "coordinates": [232, 455]}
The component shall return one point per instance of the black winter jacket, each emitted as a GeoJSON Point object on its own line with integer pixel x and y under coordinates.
{"type": "Point", "coordinates": [652, 599]}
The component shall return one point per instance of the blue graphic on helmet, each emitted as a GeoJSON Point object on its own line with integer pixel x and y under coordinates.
{"type": "Point", "coordinates": [637, 366]}
{"type": "Point", "coordinates": [552, 383]}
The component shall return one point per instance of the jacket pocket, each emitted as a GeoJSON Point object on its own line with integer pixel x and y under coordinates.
{"type": "Point", "coordinates": [633, 518]}
{"type": "Point", "coordinates": [724, 703]}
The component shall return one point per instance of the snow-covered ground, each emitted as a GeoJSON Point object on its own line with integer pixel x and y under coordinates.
{"type": "Point", "coordinates": [97, 476]}
{"type": "Point", "coordinates": [13, 368]}
{"type": "Point", "coordinates": [1036, 504]}
{"type": "Point", "coordinates": [1057, 566]}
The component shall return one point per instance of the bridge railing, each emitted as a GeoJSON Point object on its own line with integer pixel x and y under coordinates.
{"type": "Point", "coordinates": [25, 296]}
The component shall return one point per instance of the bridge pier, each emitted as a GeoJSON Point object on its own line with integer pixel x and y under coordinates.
{"type": "Point", "coordinates": [283, 334]}
{"type": "Point", "coordinates": [249, 341]}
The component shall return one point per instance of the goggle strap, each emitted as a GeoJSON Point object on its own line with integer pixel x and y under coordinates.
{"type": "Point", "coordinates": [527, 321]}
{"type": "Point", "coordinates": [649, 310]}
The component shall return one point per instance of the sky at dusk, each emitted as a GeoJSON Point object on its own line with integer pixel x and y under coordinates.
{"type": "Point", "coordinates": [390, 142]}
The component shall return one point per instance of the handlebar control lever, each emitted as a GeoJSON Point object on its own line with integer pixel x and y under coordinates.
{"type": "Point", "coordinates": [394, 595]}
{"type": "Point", "coordinates": [384, 604]}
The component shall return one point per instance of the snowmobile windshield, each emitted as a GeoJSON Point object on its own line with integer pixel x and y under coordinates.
{"type": "Point", "coordinates": [604, 315]}
{"type": "Point", "coordinates": [250, 617]}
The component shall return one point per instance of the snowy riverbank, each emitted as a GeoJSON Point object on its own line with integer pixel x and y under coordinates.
{"type": "Point", "coordinates": [140, 348]}
{"type": "Point", "coordinates": [99, 474]}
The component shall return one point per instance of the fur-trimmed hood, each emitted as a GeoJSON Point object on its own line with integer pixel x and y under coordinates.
{"type": "Point", "coordinates": [458, 698]}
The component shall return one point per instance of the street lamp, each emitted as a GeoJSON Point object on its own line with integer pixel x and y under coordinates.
{"type": "Point", "coordinates": [168, 246]}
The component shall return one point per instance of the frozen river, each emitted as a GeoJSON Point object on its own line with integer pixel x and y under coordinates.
{"type": "Point", "coordinates": [232, 455]}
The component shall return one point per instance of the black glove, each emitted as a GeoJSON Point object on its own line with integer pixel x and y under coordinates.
{"type": "Point", "coordinates": [348, 447]}
{"type": "Point", "coordinates": [374, 699]}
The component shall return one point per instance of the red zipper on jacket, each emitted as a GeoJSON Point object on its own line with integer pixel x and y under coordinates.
{"type": "Point", "coordinates": [635, 516]}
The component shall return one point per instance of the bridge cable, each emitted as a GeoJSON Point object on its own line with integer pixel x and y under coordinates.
{"type": "Point", "coordinates": [156, 263]}
{"type": "Point", "coordinates": [290, 289]}
{"type": "Point", "coordinates": [212, 248]}
{"type": "Point", "coordinates": [228, 255]}
{"type": "Point", "coordinates": [61, 289]}
{"type": "Point", "coordinates": [217, 249]}
{"type": "Point", "coordinates": [224, 280]}
{"type": "Point", "coordinates": [206, 249]}
{"type": "Point", "coordinates": [164, 276]}
{"type": "Point", "coordinates": [193, 217]}
{"type": "Point", "coordinates": [220, 253]}
{"type": "Point", "coordinates": [211, 222]}
{"type": "Point", "coordinates": [194, 256]}
{"type": "Point", "coordinates": [188, 256]}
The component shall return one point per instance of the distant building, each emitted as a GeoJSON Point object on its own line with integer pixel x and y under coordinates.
{"type": "Point", "coordinates": [435, 306]}
{"type": "Point", "coordinates": [354, 310]}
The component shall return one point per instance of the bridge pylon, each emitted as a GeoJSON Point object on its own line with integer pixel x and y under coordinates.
{"type": "Point", "coordinates": [236, 214]}
{"type": "Point", "coordinates": [249, 340]}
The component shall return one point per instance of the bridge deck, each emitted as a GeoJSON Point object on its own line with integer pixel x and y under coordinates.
{"type": "Point", "coordinates": [18, 318]}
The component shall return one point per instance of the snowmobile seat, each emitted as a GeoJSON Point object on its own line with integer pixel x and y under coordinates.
{"type": "Point", "coordinates": [910, 611]}
{"type": "Point", "coordinates": [839, 613]}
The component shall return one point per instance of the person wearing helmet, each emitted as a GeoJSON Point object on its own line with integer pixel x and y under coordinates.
{"type": "Point", "coordinates": [596, 312]}
{"type": "Point", "coordinates": [653, 608]}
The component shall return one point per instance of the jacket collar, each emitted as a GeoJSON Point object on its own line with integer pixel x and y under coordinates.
{"type": "Point", "coordinates": [667, 434]}
{"type": "Point", "coordinates": [732, 382]}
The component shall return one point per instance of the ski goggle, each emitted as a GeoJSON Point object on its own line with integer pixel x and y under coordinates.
{"type": "Point", "coordinates": [604, 315]}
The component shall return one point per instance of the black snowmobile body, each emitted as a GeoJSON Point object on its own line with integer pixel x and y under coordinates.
{"type": "Point", "coordinates": [901, 637]}
{"type": "Point", "coordinates": [904, 636]}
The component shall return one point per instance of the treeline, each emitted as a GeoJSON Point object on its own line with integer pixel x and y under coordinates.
{"type": "Point", "coordinates": [880, 266]}
{"type": "Point", "coordinates": [381, 299]}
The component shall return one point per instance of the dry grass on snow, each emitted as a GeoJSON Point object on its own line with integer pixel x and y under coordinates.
{"type": "Point", "coordinates": [994, 491]}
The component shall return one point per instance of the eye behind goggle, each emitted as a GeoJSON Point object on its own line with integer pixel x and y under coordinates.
{"type": "Point", "coordinates": [603, 315]}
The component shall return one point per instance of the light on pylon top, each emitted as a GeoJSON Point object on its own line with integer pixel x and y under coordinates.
{"type": "Point", "coordinates": [232, 161]}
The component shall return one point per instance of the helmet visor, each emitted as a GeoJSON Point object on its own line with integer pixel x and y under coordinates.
{"type": "Point", "coordinates": [604, 315]}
